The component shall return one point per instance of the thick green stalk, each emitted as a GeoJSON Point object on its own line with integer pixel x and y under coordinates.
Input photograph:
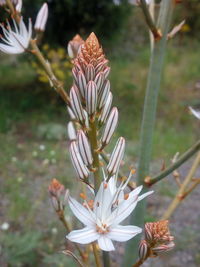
{"type": "Point", "coordinates": [149, 115]}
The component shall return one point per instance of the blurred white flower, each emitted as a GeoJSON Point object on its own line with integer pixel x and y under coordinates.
{"type": "Point", "coordinates": [102, 223]}
{"type": "Point", "coordinates": [5, 226]}
{"type": "Point", "coordinates": [41, 18]}
{"type": "Point", "coordinates": [17, 41]}
{"type": "Point", "coordinates": [54, 231]}
{"type": "Point", "coordinates": [14, 159]}
{"type": "Point", "coordinates": [195, 112]}
{"type": "Point", "coordinates": [42, 147]}
{"type": "Point", "coordinates": [34, 153]}
{"type": "Point", "coordinates": [45, 162]}
{"type": "Point", "coordinates": [52, 153]}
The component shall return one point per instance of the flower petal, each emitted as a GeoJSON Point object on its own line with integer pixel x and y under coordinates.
{"type": "Point", "coordinates": [105, 243]}
{"type": "Point", "coordinates": [145, 195]}
{"type": "Point", "coordinates": [80, 212]}
{"type": "Point", "coordinates": [123, 233]}
{"type": "Point", "coordinates": [83, 236]}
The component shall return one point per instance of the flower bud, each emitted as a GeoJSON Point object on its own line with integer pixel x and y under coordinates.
{"type": "Point", "coordinates": [103, 95]}
{"type": "Point", "coordinates": [163, 248]}
{"type": "Point", "coordinates": [116, 157]}
{"type": "Point", "coordinates": [99, 79]}
{"type": "Point", "coordinates": [71, 113]}
{"type": "Point", "coordinates": [74, 46]}
{"type": "Point", "coordinates": [41, 18]}
{"type": "Point", "coordinates": [106, 109]}
{"type": "Point", "coordinates": [82, 85]}
{"type": "Point", "coordinates": [56, 188]}
{"type": "Point", "coordinates": [71, 131]}
{"type": "Point", "coordinates": [143, 250]}
{"type": "Point", "coordinates": [195, 112]}
{"type": "Point", "coordinates": [18, 6]}
{"type": "Point", "coordinates": [110, 127]}
{"type": "Point", "coordinates": [76, 105]}
{"type": "Point", "coordinates": [90, 72]}
{"type": "Point", "coordinates": [79, 166]}
{"type": "Point", "coordinates": [84, 148]}
{"type": "Point", "coordinates": [91, 98]}
{"type": "Point", "coordinates": [106, 72]}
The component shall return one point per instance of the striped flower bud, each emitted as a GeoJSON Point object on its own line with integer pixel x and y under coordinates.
{"type": "Point", "coordinates": [91, 98]}
{"type": "Point", "coordinates": [82, 85]}
{"type": "Point", "coordinates": [71, 113]}
{"type": "Point", "coordinates": [106, 72]}
{"type": "Point", "coordinates": [71, 131]}
{"type": "Point", "coordinates": [74, 46]}
{"type": "Point", "coordinates": [101, 66]}
{"type": "Point", "coordinates": [84, 148]}
{"type": "Point", "coordinates": [41, 18]}
{"type": "Point", "coordinates": [79, 166]}
{"type": "Point", "coordinates": [90, 72]}
{"type": "Point", "coordinates": [110, 127]}
{"type": "Point", "coordinates": [76, 105]}
{"type": "Point", "coordinates": [116, 157]}
{"type": "Point", "coordinates": [143, 250]}
{"type": "Point", "coordinates": [163, 248]}
{"type": "Point", "coordinates": [103, 96]}
{"type": "Point", "coordinates": [75, 74]}
{"type": "Point", "coordinates": [106, 109]}
{"type": "Point", "coordinates": [99, 80]}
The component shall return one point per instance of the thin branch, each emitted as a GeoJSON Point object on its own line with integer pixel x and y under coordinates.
{"type": "Point", "coordinates": [188, 154]}
{"type": "Point", "coordinates": [182, 193]}
{"type": "Point", "coordinates": [47, 67]}
{"type": "Point", "coordinates": [149, 20]}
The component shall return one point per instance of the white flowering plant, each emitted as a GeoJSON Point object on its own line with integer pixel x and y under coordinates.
{"type": "Point", "coordinates": [109, 197]}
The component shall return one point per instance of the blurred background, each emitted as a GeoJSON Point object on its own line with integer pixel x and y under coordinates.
{"type": "Point", "coordinates": [33, 119]}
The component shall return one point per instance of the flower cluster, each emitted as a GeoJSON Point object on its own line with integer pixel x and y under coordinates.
{"type": "Point", "coordinates": [157, 239]}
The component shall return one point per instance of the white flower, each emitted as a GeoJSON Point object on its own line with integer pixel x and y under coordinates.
{"type": "Point", "coordinates": [102, 223]}
{"type": "Point", "coordinates": [195, 112]}
{"type": "Point", "coordinates": [5, 226]}
{"type": "Point", "coordinates": [41, 18]}
{"type": "Point", "coordinates": [16, 41]}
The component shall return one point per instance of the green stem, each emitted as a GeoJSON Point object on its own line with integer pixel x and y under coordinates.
{"type": "Point", "coordinates": [97, 177]}
{"type": "Point", "coordinates": [188, 154]}
{"type": "Point", "coordinates": [149, 115]}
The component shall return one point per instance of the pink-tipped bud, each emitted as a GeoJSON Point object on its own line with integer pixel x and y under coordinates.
{"type": "Point", "coordinates": [76, 105]}
{"type": "Point", "coordinates": [163, 248]}
{"type": "Point", "coordinates": [18, 6]}
{"type": "Point", "coordinates": [101, 66]}
{"type": "Point", "coordinates": [71, 131]}
{"type": "Point", "coordinates": [41, 19]}
{"type": "Point", "coordinates": [103, 96]}
{"type": "Point", "coordinates": [106, 109]}
{"type": "Point", "coordinates": [84, 148]}
{"type": "Point", "coordinates": [143, 250]}
{"type": "Point", "coordinates": [74, 46]}
{"type": "Point", "coordinates": [82, 85]}
{"type": "Point", "coordinates": [116, 157]}
{"type": "Point", "coordinates": [75, 74]}
{"type": "Point", "coordinates": [110, 127]}
{"type": "Point", "coordinates": [99, 80]}
{"type": "Point", "coordinates": [56, 188]}
{"type": "Point", "coordinates": [90, 72]}
{"type": "Point", "coordinates": [81, 170]}
{"type": "Point", "coordinates": [91, 98]}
